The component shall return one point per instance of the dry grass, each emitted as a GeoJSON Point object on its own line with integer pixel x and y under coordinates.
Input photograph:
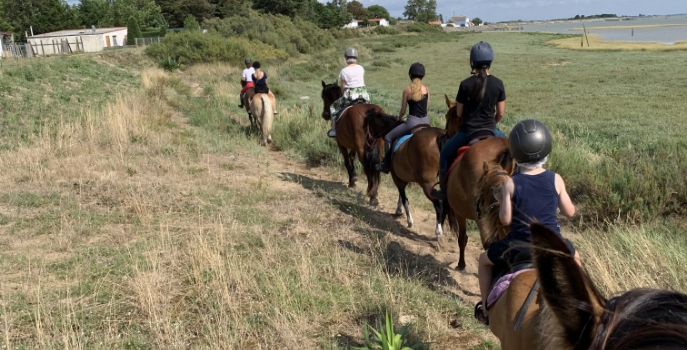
{"type": "Point", "coordinates": [596, 44]}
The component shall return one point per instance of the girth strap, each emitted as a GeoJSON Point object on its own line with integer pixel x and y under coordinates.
{"type": "Point", "coordinates": [526, 306]}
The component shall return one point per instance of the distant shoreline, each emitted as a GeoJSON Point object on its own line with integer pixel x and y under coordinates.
{"type": "Point", "coordinates": [631, 26]}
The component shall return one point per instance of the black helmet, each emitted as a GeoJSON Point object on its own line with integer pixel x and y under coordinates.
{"type": "Point", "coordinates": [256, 65]}
{"type": "Point", "coordinates": [351, 52]}
{"type": "Point", "coordinates": [247, 61]}
{"type": "Point", "coordinates": [481, 54]}
{"type": "Point", "coordinates": [417, 70]}
{"type": "Point", "coordinates": [529, 141]}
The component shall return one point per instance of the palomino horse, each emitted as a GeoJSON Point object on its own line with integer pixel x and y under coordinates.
{"type": "Point", "coordinates": [246, 104]}
{"type": "Point", "coordinates": [263, 112]}
{"type": "Point", "coordinates": [352, 139]}
{"type": "Point", "coordinates": [576, 316]}
{"type": "Point", "coordinates": [461, 182]}
{"type": "Point", "coordinates": [416, 160]}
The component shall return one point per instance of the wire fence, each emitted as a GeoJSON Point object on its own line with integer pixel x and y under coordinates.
{"type": "Point", "coordinates": [147, 41]}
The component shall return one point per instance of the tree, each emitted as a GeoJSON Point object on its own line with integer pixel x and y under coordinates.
{"type": "Point", "coordinates": [95, 12]}
{"type": "Point", "coordinates": [43, 15]}
{"type": "Point", "coordinates": [441, 18]}
{"type": "Point", "coordinates": [376, 11]}
{"type": "Point", "coordinates": [191, 24]}
{"type": "Point", "coordinates": [176, 11]}
{"type": "Point", "coordinates": [477, 21]}
{"type": "Point", "coordinates": [133, 31]}
{"type": "Point", "coordinates": [421, 10]}
{"type": "Point", "coordinates": [147, 13]}
{"type": "Point", "coordinates": [357, 9]}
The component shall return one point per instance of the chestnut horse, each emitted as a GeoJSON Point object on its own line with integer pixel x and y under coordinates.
{"type": "Point", "coordinates": [461, 182]}
{"type": "Point", "coordinates": [246, 104]}
{"type": "Point", "coordinates": [353, 139]}
{"type": "Point", "coordinates": [576, 316]}
{"type": "Point", "coordinates": [416, 160]}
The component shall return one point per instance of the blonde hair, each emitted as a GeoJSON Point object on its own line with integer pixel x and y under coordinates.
{"type": "Point", "coordinates": [416, 90]}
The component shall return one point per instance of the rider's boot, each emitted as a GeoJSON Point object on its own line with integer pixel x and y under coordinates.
{"type": "Point", "coordinates": [241, 99]}
{"type": "Point", "coordinates": [332, 132]}
{"type": "Point", "coordinates": [385, 165]}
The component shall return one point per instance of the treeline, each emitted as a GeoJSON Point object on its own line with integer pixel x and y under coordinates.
{"type": "Point", "coordinates": [603, 15]}
{"type": "Point", "coordinates": [19, 16]}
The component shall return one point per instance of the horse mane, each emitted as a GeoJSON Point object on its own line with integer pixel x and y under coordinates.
{"type": "Point", "coordinates": [492, 229]}
{"type": "Point", "coordinates": [372, 115]}
{"type": "Point", "coordinates": [640, 319]}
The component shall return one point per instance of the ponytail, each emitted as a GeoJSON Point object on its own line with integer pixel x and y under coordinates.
{"type": "Point", "coordinates": [478, 93]}
{"type": "Point", "coordinates": [416, 90]}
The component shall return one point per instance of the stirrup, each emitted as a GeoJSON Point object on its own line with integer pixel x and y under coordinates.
{"type": "Point", "coordinates": [331, 133]}
{"type": "Point", "coordinates": [479, 315]}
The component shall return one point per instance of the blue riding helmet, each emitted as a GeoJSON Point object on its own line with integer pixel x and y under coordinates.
{"type": "Point", "coordinates": [481, 54]}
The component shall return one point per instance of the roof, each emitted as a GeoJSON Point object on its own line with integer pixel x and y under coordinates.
{"type": "Point", "coordinates": [376, 19]}
{"type": "Point", "coordinates": [459, 18]}
{"type": "Point", "coordinates": [71, 32]}
{"type": "Point", "coordinates": [5, 33]}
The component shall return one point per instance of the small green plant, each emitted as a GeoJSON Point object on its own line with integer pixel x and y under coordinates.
{"type": "Point", "coordinates": [169, 64]}
{"type": "Point", "coordinates": [390, 340]}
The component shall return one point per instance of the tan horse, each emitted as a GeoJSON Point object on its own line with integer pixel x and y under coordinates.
{"type": "Point", "coordinates": [353, 139]}
{"type": "Point", "coordinates": [416, 160]}
{"type": "Point", "coordinates": [461, 183]}
{"type": "Point", "coordinates": [577, 316]}
{"type": "Point", "coordinates": [247, 98]}
{"type": "Point", "coordinates": [263, 112]}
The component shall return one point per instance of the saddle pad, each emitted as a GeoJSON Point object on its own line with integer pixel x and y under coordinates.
{"type": "Point", "coordinates": [501, 286]}
{"type": "Point", "coordinates": [461, 151]}
{"type": "Point", "coordinates": [401, 141]}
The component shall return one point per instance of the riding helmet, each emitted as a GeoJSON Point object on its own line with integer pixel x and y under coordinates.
{"type": "Point", "coordinates": [481, 54]}
{"type": "Point", "coordinates": [256, 65]}
{"type": "Point", "coordinates": [529, 141]}
{"type": "Point", "coordinates": [417, 70]}
{"type": "Point", "coordinates": [247, 61]}
{"type": "Point", "coordinates": [351, 52]}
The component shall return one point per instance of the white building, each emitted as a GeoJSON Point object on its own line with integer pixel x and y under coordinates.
{"type": "Point", "coordinates": [461, 21]}
{"type": "Point", "coordinates": [353, 24]}
{"type": "Point", "coordinates": [356, 23]}
{"type": "Point", "coordinates": [77, 40]}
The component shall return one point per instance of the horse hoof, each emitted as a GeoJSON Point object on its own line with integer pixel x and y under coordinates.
{"type": "Point", "coordinates": [460, 267]}
{"type": "Point", "coordinates": [374, 202]}
{"type": "Point", "coordinates": [410, 225]}
{"type": "Point", "coordinates": [351, 184]}
{"type": "Point", "coordinates": [398, 213]}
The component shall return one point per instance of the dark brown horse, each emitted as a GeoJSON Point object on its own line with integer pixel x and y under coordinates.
{"type": "Point", "coordinates": [461, 182]}
{"type": "Point", "coordinates": [416, 160]}
{"type": "Point", "coordinates": [577, 316]}
{"type": "Point", "coordinates": [353, 139]}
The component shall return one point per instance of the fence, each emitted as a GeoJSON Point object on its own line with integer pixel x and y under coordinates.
{"type": "Point", "coordinates": [42, 48]}
{"type": "Point", "coordinates": [147, 41]}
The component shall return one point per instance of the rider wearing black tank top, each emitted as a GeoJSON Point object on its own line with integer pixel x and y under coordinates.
{"type": "Point", "coordinates": [418, 108]}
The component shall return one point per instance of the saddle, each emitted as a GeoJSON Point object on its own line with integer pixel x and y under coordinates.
{"type": "Point", "coordinates": [475, 137]}
{"type": "Point", "coordinates": [503, 275]}
{"type": "Point", "coordinates": [399, 141]}
{"type": "Point", "coordinates": [342, 110]}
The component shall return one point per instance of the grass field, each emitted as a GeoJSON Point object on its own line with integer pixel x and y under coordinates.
{"type": "Point", "coordinates": [139, 212]}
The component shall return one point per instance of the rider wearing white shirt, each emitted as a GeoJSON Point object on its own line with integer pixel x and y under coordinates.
{"type": "Point", "coordinates": [246, 80]}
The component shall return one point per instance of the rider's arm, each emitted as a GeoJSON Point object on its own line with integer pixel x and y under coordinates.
{"type": "Point", "coordinates": [427, 100]}
{"type": "Point", "coordinates": [506, 207]}
{"type": "Point", "coordinates": [404, 103]}
{"type": "Point", "coordinates": [343, 85]}
{"type": "Point", "coordinates": [243, 76]}
{"type": "Point", "coordinates": [500, 110]}
{"type": "Point", "coordinates": [564, 203]}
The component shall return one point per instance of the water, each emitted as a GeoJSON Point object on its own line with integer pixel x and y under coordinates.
{"type": "Point", "coordinates": [667, 34]}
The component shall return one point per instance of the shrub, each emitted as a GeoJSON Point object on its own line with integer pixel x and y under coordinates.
{"type": "Point", "coordinates": [385, 30]}
{"type": "Point", "coordinates": [133, 31]}
{"type": "Point", "coordinates": [293, 36]}
{"type": "Point", "coordinates": [345, 33]}
{"type": "Point", "coordinates": [196, 47]}
{"type": "Point", "coordinates": [419, 27]}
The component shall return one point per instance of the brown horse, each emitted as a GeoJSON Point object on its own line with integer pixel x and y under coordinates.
{"type": "Point", "coordinates": [461, 182]}
{"type": "Point", "coordinates": [577, 316]}
{"type": "Point", "coordinates": [416, 160]}
{"type": "Point", "coordinates": [352, 139]}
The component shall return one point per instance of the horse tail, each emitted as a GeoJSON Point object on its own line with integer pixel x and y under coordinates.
{"type": "Point", "coordinates": [372, 159]}
{"type": "Point", "coordinates": [447, 212]}
{"type": "Point", "coordinates": [267, 118]}
{"type": "Point", "coordinates": [506, 161]}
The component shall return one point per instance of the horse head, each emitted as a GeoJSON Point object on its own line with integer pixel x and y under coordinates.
{"type": "Point", "coordinates": [379, 124]}
{"type": "Point", "coordinates": [487, 207]}
{"type": "Point", "coordinates": [452, 120]}
{"type": "Point", "coordinates": [577, 316]}
{"type": "Point", "coordinates": [330, 93]}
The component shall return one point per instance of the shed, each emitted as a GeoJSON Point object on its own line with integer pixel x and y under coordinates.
{"type": "Point", "coordinates": [462, 21]}
{"type": "Point", "coordinates": [77, 40]}
{"type": "Point", "coordinates": [380, 21]}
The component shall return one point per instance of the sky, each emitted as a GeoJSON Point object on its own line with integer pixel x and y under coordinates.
{"type": "Point", "coordinates": [506, 10]}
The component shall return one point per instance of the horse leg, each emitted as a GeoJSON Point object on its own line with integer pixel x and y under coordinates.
{"type": "Point", "coordinates": [401, 185]}
{"type": "Point", "coordinates": [348, 163]}
{"type": "Point", "coordinates": [373, 175]}
{"type": "Point", "coordinates": [353, 176]}
{"type": "Point", "coordinates": [462, 242]}
{"type": "Point", "coordinates": [428, 189]}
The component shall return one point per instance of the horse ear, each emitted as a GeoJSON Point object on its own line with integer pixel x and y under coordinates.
{"type": "Point", "coordinates": [323, 84]}
{"type": "Point", "coordinates": [569, 293]}
{"type": "Point", "coordinates": [449, 103]}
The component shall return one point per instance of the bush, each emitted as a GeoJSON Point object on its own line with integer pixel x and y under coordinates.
{"type": "Point", "coordinates": [345, 33]}
{"type": "Point", "coordinates": [419, 27]}
{"type": "Point", "coordinates": [196, 47]}
{"type": "Point", "coordinates": [134, 31]}
{"type": "Point", "coordinates": [385, 30]}
{"type": "Point", "coordinates": [293, 36]}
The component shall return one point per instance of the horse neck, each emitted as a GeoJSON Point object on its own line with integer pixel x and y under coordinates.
{"type": "Point", "coordinates": [387, 124]}
{"type": "Point", "coordinates": [492, 228]}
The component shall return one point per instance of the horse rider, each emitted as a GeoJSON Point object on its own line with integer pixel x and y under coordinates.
{"type": "Point", "coordinates": [532, 194]}
{"type": "Point", "coordinates": [353, 85]}
{"type": "Point", "coordinates": [246, 80]}
{"type": "Point", "coordinates": [480, 103]}
{"type": "Point", "coordinates": [416, 98]}
{"type": "Point", "coordinates": [259, 79]}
